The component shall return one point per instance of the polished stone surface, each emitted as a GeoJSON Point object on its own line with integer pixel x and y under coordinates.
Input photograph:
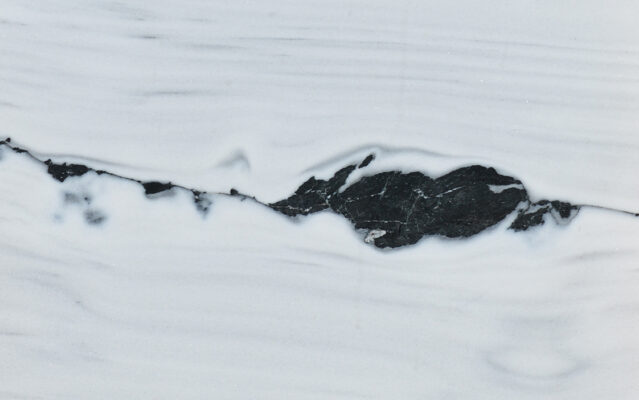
{"type": "Point", "coordinates": [155, 274]}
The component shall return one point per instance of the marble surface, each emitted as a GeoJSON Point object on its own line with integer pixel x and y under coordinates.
{"type": "Point", "coordinates": [110, 291]}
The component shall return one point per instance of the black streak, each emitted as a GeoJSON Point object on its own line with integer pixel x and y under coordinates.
{"type": "Point", "coordinates": [366, 161]}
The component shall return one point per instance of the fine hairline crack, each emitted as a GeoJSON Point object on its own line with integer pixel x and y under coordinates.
{"type": "Point", "coordinates": [62, 171]}
{"type": "Point", "coordinates": [392, 208]}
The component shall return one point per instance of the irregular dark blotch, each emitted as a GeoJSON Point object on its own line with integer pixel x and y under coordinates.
{"type": "Point", "coordinates": [202, 201]}
{"type": "Point", "coordinates": [366, 161]}
{"type": "Point", "coordinates": [71, 198]}
{"type": "Point", "coordinates": [394, 208]}
{"type": "Point", "coordinates": [63, 171]}
{"type": "Point", "coordinates": [94, 217]}
{"type": "Point", "coordinates": [236, 193]}
{"type": "Point", "coordinates": [398, 209]}
{"type": "Point", "coordinates": [313, 195]}
{"type": "Point", "coordinates": [526, 220]}
{"type": "Point", "coordinates": [408, 206]}
{"type": "Point", "coordinates": [154, 187]}
{"type": "Point", "coordinates": [564, 209]}
{"type": "Point", "coordinates": [534, 214]}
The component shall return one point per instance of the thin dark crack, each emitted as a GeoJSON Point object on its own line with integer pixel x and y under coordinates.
{"type": "Point", "coordinates": [394, 208]}
{"type": "Point", "coordinates": [62, 171]}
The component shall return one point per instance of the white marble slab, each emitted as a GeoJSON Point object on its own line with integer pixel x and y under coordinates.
{"type": "Point", "coordinates": [159, 302]}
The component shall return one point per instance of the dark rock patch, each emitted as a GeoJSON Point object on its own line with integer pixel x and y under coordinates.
{"type": "Point", "coordinates": [314, 194]}
{"type": "Point", "coordinates": [63, 171]}
{"type": "Point", "coordinates": [154, 187]}
{"type": "Point", "coordinates": [527, 219]}
{"type": "Point", "coordinates": [398, 209]}
{"type": "Point", "coordinates": [564, 209]}
{"type": "Point", "coordinates": [535, 214]}
{"type": "Point", "coordinates": [366, 161]}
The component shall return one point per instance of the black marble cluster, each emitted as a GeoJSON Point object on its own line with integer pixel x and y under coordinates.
{"type": "Point", "coordinates": [535, 214]}
{"type": "Point", "coordinates": [155, 187]}
{"type": "Point", "coordinates": [393, 208]}
{"type": "Point", "coordinates": [398, 209]}
{"type": "Point", "coordinates": [62, 171]}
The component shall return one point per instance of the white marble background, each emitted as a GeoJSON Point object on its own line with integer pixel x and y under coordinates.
{"type": "Point", "coordinates": [159, 303]}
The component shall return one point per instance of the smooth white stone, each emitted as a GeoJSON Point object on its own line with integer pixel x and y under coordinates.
{"type": "Point", "coordinates": [159, 302]}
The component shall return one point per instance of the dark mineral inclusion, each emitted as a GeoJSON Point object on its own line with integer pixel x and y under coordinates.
{"type": "Point", "coordinates": [398, 209]}
{"type": "Point", "coordinates": [394, 208]}
{"type": "Point", "coordinates": [62, 171]}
